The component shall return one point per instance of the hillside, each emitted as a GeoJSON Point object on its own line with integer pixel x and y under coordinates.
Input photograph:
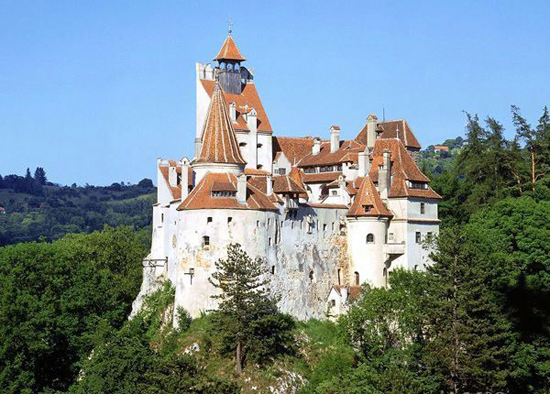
{"type": "Point", "coordinates": [32, 208]}
{"type": "Point", "coordinates": [436, 159]}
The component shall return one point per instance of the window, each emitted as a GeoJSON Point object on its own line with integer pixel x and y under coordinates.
{"type": "Point", "coordinates": [259, 166]}
{"type": "Point", "coordinates": [162, 218]}
{"type": "Point", "coordinates": [273, 270]}
{"type": "Point", "coordinates": [367, 208]}
{"type": "Point", "coordinates": [281, 171]}
{"type": "Point", "coordinates": [334, 192]}
{"type": "Point", "coordinates": [339, 276]}
{"type": "Point", "coordinates": [311, 275]}
{"type": "Point", "coordinates": [418, 237]}
{"type": "Point", "coordinates": [206, 241]}
{"type": "Point", "coordinates": [392, 237]}
{"type": "Point", "coordinates": [259, 145]}
{"type": "Point", "coordinates": [370, 238]}
{"type": "Point", "coordinates": [268, 222]}
{"type": "Point", "coordinates": [422, 208]}
{"type": "Point", "coordinates": [229, 219]}
{"type": "Point", "coordinates": [332, 226]}
{"type": "Point", "coordinates": [324, 227]}
{"type": "Point", "coordinates": [224, 194]}
{"type": "Point", "coordinates": [332, 303]}
{"type": "Point", "coordinates": [282, 224]}
{"type": "Point", "coordinates": [209, 220]}
{"type": "Point", "coordinates": [419, 185]}
{"type": "Point", "coordinates": [257, 223]}
{"type": "Point", "coordinates": [242, 144]}
{"type": "Point", "coordinates": [269, 241]}
{"type": "Point", "coordinates": [310, 170]}
{"type": "Point", "coordinates": [357, 279]}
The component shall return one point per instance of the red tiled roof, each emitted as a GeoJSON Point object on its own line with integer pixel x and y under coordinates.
{"type": "Point", "coordinates": [294, 148]}
{"type": "Point", "coordinates": [256, 172]}
{"type": "Point", "coordinates": [229, 51]}
{"type": "Point", "coordinates": [392, 129]}
{"type": "Point", "coordinates": [353, 291]}
{"type": "Point", "coordinates": [321, 177]}
{"type": "Point", "coordinates": [347, 152]}
{"type": "Point", "coordinates": [400, 159]}
{"type": "Point", "coordinates": [367, 196]}
{"type": "Point", "coordinates": [248, 98]}
{"type": "Point", "coordinates": [219, 144]}
{"type": "Point", "coordinates": [201, 196]}
{"type": "Point", "coordinates": [285, 184]}
{"type": "Point", "coordinates": [176, 190]}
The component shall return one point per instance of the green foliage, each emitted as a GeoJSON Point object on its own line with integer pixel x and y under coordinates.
{"type": "Point", "coordinates": [37, 209]}
{"type": "Point", "coordinates": [54, 296]}
{"type": "Point", "coordinates": [248, 317]}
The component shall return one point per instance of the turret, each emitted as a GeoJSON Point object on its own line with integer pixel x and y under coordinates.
{"type": "Point", "coordinates": [229, 61]}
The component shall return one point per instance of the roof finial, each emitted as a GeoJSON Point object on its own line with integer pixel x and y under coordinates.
{"type": "Point", "coordinates": [229, 26]}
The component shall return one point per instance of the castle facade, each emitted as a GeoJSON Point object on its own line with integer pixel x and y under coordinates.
{"type": "Point", "coordinates": [326, 215]}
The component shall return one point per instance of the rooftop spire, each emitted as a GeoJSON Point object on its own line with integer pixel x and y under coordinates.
{"type": "Point", "coordinates": [229, 49]}
{"type": "Point", "coordinates": [219, 144]}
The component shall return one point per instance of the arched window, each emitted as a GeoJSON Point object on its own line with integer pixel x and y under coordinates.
{"type": "Point", "coordinates": [370, 238]}
{"type": "Point", "coordinates": [357, 279]}
{"type": "Point", "coordinates": [229, 67]}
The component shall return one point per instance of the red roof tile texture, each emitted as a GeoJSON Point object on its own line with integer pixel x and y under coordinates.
{"type": "Point", "coordinates": [285, 184]}
{"type": "Point", "coordinates": [347, 152]}
{"type": "Point", "coordinates": [294, 148]}
{"type": "Point", "coordinates": [367, 202]}
{"type": "Point", "coordinates": [248, 99]}
{"type": "Point", "coordinates": [219, 144]}
{"type": "Point", "coordinates": [392, 129]}
{"type": "Point", "coordinates": [229, 51]}
{"type": "Point", "coordinates": [201, 196]}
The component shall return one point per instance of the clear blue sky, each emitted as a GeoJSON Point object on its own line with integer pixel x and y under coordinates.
{"type": "Point", "coordinates": [96, 91]}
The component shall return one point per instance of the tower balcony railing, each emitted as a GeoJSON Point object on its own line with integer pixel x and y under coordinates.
{"type": "Point", "coordinates": [394, 248]}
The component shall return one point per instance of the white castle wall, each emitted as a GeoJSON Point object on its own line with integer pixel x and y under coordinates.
{"type": "Point", "coordinates": [301, 255]}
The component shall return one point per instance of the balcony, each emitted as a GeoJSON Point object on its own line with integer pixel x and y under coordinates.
{"type": "Point", "coordinates": [394, 249]}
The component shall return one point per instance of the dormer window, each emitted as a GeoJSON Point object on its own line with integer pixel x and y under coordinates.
{"type": "Point", "coordinates": [224, 194]}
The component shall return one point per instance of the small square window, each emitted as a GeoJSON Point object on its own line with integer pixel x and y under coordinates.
{"type": "Point", "coordinates": [209, 219]}
{"type": "Point", "coordinates": [229, 219]}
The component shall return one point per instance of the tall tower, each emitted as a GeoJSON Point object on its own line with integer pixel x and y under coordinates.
{"type": "Point", "coordinates": [229, 60]}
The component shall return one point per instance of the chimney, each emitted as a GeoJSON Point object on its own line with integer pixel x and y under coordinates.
{"type": "Point", "coordinates": [342, 189]}
{"type": "Point", "coordinates": [173, 176]}
{"type": "Point", "coordinates": [269, 185]}
{"type": "Point", "coordinates": [198, 146]}
{"type": "Point", "coordinates": [363, 163]}
{"type": "Point", "coordinates": [384, 174]}
{"type": "Point", "coordinates": [233, 112]}
{"type": "Point", "coordinates": [252, 123]}
{"type": "Point", "coordinates": [241, 189]}
{"type": "Point", "coordinates": [334, 138]}
{"type": "Point", "coordinates": [372, 122]}
{"type": "Point", "coordinates": [184, 183]}
{"type": "Point", "coordinates": [316, 146]}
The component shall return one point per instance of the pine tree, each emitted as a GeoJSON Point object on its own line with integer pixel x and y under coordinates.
{"type": "Point", "coordinates": [470, 338]}
{"type": "Point", "coordinates": [40, 175]}
{"type": "Point", "coordinates": [537, 142]}
{"type": "Point", "coordinates": [247, 313]}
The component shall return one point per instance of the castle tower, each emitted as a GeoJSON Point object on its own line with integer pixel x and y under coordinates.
{"type": "Point", "coordinates": [229, 59]}
{"type": "Point", "coordinates": [220, 151]}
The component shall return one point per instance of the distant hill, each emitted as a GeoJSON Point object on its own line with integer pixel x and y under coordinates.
{"type": "Point", "coordinates": [31, 208]}
{"type": "Point", "coordinates": [436, 159]}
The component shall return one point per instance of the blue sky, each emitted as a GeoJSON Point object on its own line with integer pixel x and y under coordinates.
{"type": "Point", "coordinates": [95, 91]}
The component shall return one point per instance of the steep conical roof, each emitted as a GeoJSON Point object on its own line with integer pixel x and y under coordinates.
{"type": "Point", "coordinates": [229, 51]}
{"type": "Point", "coordinates": [219, 144]}
{"type": "Point", "coordinates": [367, 202]}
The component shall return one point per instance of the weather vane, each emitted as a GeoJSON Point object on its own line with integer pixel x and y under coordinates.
{"type": "Point", "coordinates": [230, 25]}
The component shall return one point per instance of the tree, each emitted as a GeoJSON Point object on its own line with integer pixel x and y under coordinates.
{"type": "Point", "coordinates": [537, 142]}
{"type": "Point", "coordinates": [40, 175]}
{"type": "Point", "coordinates": [471, 341]}
{"type": "Point", "coordinates": [247, 314]}
{"type": "Point", "coordinates": [146, 183]}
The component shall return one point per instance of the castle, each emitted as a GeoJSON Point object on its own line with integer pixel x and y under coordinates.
{"type": "Point", "coordinates": [326, 215]}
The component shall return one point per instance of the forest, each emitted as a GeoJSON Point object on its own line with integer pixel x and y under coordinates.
{"type": "Point", "coordinates": [35, 208]}
{"type": "Point", "coordinates": [475, 321]}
